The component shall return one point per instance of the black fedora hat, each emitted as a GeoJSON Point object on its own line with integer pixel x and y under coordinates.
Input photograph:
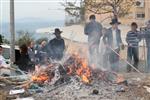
{"type": "Point", "coordinates": [57, 30]}
{"type": "Point", "coordinates": [114, 21]}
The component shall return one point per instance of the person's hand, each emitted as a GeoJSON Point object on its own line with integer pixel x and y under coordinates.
{"type": "Point", "coordinates": [35, 51]}
{"type": "Point", "coordinates": [122, 46]}
{"type": "Point", "coordinates": [130, 45]}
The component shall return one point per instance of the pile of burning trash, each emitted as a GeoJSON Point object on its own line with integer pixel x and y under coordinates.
{"type": "Point", "coordinates": [73, 79]}
{"type": "Point", "coordinates": [74, 66]}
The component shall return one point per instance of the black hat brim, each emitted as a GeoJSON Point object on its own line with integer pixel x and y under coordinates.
{"type": "Point", "coordinates": [112, 23]}
{"type": "Point", "coordinates": [58, 33]}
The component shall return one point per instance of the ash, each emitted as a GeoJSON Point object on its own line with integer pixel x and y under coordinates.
{"type": "Point", "coordinates": [76, 90]}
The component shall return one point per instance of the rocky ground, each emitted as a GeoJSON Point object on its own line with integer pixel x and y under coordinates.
{"type": "Point", "coordinates": [100, 90]}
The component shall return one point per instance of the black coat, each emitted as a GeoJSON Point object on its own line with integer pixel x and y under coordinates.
{"type": "Point", "coordinates": [56, 48]}
{"type": "Point", "coordinates": [24, 63]}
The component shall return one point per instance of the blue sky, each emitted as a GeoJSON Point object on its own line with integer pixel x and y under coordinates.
{"type": "Point", "coordinates": [33, 9]}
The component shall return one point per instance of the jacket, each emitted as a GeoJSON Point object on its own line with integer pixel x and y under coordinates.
{"type": "Point", "coordinates": [108, 37]}
{"type": "Point", "coordinates": [94, 31]}
{"type": "Point", "coordinates": [56, 47]}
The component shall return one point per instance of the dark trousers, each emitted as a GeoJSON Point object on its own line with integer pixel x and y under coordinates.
{"type": "Point", "coordinates": [148, 60]}
{"type": "Point", "coordinates": [132, 55]}
{"type": "Point", "coordinates": [114, 60]}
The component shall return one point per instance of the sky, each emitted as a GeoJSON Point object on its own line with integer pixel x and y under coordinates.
{"type": "Point", "coordinates": [33, 9]}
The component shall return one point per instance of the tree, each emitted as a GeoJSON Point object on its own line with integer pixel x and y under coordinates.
{"type": "Point", "coordinates": [76, 8]}
{"type": "Point", "coordinates": [25, 38]}
{"type": "Point", "coordinates": [4, 40]}
{"type": "Point", "coordinates": [118, 8]}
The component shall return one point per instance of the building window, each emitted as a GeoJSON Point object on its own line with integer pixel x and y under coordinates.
{"type": "Point", "coordinates": [139, 3]}
{"type": "Point", "coordinates": [140, 16]}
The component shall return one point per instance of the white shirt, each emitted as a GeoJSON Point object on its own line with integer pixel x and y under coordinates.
{"type": "Point", "coordinates": [2, 61]}
{"type": "Point", "coordinates": [115, 46]}
{"type": "Point", "coordinates": [3, 64]}
{"type": "Point", "coordinates": [102, 47]}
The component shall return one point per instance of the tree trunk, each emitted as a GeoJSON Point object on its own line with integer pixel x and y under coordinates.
{"type": "Point", "coordinates": [115, 13]}
{"type": "Point", "coordinates": [82, 10]}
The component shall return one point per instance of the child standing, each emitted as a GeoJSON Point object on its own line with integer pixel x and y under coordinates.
{"type": "Point", "coordinates": [133, 39]}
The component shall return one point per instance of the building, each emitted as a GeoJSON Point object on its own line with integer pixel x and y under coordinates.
{"type": "Point", "coordinates": [139, 13]}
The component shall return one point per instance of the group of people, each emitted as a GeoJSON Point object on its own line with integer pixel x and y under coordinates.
{"type": "Point", "coordinates": [31, 54]}
{"type": "Point", "coordinates": [105, 44]}
{"type": "Point", "coordinates": [104, 47]}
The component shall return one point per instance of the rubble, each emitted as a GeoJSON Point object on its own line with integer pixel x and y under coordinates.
{"type": "Point", "coordinates": [27, 98]}
{"type": "Point", "coordinates": [95, 91]}
{"type": "Point", "coordinates": [147, 88]}
{"type": "Point", "coordinates": [73, 80]}
{"type": "Point", "coordinates": [18, 91]}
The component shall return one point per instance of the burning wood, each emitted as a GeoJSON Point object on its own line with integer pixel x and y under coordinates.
{"type": "Point", "coordinates": [40, 78]}
{"type": "Point", "coordinates": [43, 73]}
{"type": "Point", "coordinates": [74, 65]}
{"type": "Point", "coordinates": [78, 66]}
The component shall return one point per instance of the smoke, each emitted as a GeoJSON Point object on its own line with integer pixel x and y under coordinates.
{"type": "Point", "coordinates": [98, 53]}
{"type": "Point", "coordinates": [103, 55]}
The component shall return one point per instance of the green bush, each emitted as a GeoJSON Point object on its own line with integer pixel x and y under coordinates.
{"type": "Point", "coordinates": [25, 38]}
{"type": "Point", "coordinates": [4, 40]}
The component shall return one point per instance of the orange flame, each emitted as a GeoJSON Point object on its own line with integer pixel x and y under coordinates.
{"type": "Point", "coordinates": [84, 71]}
{"type": "Point", "coordinates": [120, 78]}
{"type": "Point", "coordinates": [40, 78]}
{"type": "Point", "coordinates": [70, 70]}
{"type": "Point", "coordinates": [85, 79]}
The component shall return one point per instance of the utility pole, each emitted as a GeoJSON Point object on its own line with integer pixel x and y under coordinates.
{"type": "Point", "coordinates": [12, 31]}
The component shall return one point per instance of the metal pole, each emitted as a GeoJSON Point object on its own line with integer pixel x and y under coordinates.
{"type": "Point", "coordinates": [145, 59]}
{"type": "Point", "coordinates": [12, 31]}
{"type": "Point", "coordinates": [126, 61]}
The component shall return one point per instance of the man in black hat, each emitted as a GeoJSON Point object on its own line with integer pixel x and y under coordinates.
{"type": "Point", "coordinates": [114, 42]}
{"type": "Point", "coordinates": [93, 30]}
{"type": "Point", "coordinates": [57, 46]}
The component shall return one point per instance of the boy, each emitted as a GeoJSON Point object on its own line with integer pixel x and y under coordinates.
{"type": "Point", "coordinates": [133, 40]}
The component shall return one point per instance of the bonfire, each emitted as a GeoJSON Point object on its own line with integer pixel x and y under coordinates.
{"type": "Point", "coordinates": [74, 66]}
{"type": "Point", "coordinates": [74, 78]}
